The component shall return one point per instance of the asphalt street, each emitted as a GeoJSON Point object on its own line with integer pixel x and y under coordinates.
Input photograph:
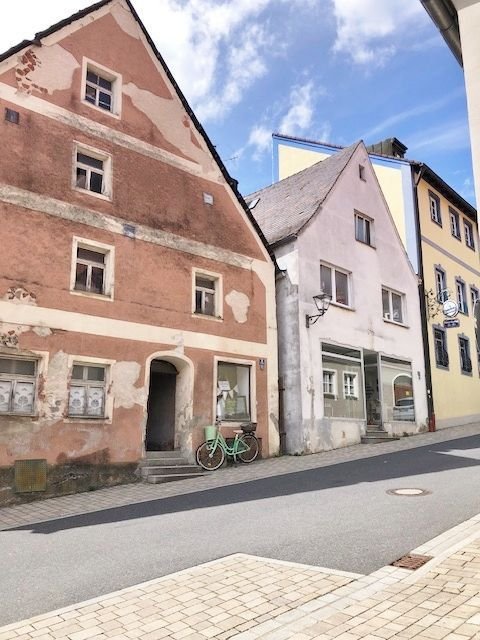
{"type": "Point", "coordinates": [338, 517]}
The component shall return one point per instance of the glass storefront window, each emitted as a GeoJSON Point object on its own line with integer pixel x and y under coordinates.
{"type": "Point", "coordinates": [397, 388]}
{"type": "Point", "coordinates": [342, 383]}
{"type": "Point", "coordinates": [233, 391]}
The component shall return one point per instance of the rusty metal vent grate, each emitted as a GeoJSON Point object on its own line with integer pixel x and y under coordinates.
{"type": "Point", "coordinates": [411, 561]}
{"type": "Point", "coordinates": [30, 475]}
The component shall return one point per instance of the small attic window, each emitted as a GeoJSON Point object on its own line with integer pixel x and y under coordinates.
{"type": "Point", "coordinates": [207, 198]}
{"type": "Point", "coordinates": [101, 88]}
{"type": "Point", "coordinates": [12, 116]}
{"type": "Point", "coordinates": [253, 203]}
{"type": "Point", "coordinates": [361, 172]}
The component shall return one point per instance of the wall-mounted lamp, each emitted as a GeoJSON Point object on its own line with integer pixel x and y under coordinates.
{"type": "Point", "coordinates": [322, 302]}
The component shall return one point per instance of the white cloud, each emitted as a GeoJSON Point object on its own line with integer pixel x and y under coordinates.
{"type": "Point", "coordinates": [365, 27]}
{"type": "Point", "coordinates": [204, 42]}
{"type": "Point", "coordinates": [244, 65]}
{"type": "Point", "coordinates": [300, 113]}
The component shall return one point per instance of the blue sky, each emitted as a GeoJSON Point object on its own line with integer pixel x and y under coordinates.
{"type": "Point", "coordinates": [328, 70]}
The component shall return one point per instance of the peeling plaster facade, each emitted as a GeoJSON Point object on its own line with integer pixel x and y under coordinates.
{"type": "Point", "coordinates": [155, 229]}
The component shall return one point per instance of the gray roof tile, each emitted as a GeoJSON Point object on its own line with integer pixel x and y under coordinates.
{"type": "Point", "coordinates": [286, 206]}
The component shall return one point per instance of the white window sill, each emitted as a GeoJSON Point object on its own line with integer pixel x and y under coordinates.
{"type": "Point", "coordinates": [205, 316]}
{"type": "Point", "coordinates": [397, 324]}
{"type": "Point", "coordinates": [88, 294]}
{"type": "Point", "coordinates": [101, 196]}
{"type": "Point", "coordinates": [100, 110]}
{"type": "Point", "coordinates": [339, 305]}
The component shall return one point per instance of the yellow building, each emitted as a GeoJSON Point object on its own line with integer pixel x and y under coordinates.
{"type": "Point", "coordinates": [440, 233]}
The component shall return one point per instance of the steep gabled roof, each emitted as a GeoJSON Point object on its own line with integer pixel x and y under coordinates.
{"type": "Point", "coordinates": [37, 41]}
{"type": "Point", "coordinates": [284, 208]}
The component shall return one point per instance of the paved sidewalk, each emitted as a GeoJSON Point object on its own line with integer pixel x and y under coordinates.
{"type": "Point", "coordinates": [65, 506]}
{"type": "Point", "coordinates": [247, 598]}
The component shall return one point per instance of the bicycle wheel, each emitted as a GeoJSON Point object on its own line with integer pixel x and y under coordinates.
{"type": "Point", "coordinates": [209, 458]}
{"type": "Point", "coordinates": [250, 454]}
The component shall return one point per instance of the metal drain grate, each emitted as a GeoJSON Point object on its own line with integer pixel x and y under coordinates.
{"type": "Point", "coordinates": [411, 561]}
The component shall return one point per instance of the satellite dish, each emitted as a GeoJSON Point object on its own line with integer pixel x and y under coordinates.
{"type": "Point", "coordinates": [476, 316]}
{"type": "Point", "coordinates": [450, 308]}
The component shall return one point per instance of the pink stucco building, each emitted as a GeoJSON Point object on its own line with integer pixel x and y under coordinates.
{"type": "Point", "coordinates": [133, 278]}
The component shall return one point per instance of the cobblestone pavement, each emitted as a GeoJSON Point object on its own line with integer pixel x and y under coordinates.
{"type": "Point", "coordinates": [53, 508]}
{"type": "Point", "coordinates": [248, 598]}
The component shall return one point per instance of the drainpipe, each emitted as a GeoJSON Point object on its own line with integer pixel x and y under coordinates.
{"type": "Point", "coordinates": [416, 177]}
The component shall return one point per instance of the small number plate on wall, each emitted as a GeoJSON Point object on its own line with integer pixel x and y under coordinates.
{"type": "Point", "coordinates": [30, 475]}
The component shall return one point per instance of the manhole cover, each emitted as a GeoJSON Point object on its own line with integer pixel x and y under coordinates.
{"type": "Point", "coordinates": [408, 492]}
{"type": "Point", "coordinates": [411, 561]}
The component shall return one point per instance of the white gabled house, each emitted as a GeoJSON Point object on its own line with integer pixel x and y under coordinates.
{"type": "Point", "coordinates": [360, 366]}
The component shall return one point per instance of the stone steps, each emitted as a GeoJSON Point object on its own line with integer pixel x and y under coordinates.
{"type": "Point", "coordinates": [167, 466]}
{"type": "Point", "coordinates": [374, 435]}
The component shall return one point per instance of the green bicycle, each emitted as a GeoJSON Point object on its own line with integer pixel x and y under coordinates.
{"type": "Point", "coordinates": [211, 453]}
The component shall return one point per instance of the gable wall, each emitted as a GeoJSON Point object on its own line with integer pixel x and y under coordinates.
{"type": "Point", "coordinates": [330, 237]}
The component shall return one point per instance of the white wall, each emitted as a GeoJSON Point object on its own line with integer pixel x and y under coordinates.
{"type": "Point", "coordinates": [330, 237]}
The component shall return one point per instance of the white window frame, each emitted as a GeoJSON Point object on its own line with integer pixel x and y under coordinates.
{"type": "Point", "coordinates": [333, 283]}
{"type": "Point", "coordinates": [109, 272]}
{"type": "Point", "coordinates": [455, 223]}
{"type": "Point", "coordinates": [440, 274]}
{"type": "Point", "coordinates": [333, 374]}
{"type": "Point", "coordinates": [218, 298]}
{"type": "Point", "coordinates": [98, 154]}
{"type": "Point", "coordinates": [14, 378]}
{"type": "Point", "coordinates": [461, 291]}
{"type": "Point", "coordinates": [390, 305]}
{"type": "Point", "coordinates": [469, 236]}
{"type": "Point", "coordinates": [435, 211]}
{"type": "Point", "coordinates": [108, 74]}
{"type": "Point", "coordinates": [353, 395]}
{"type": "Point", "coordinates": [366, 220]}
{"type": "Point", "coordinates": [86, 361]}
{"type": "Point", "coordinates": [253, 386]}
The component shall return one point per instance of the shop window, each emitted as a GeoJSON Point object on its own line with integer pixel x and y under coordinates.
{"type": "Point", "coordinates": [233, 391]}
{"type": "Point", "coordinates": [397, 390]}
{"type": "Point", "coordinates": [329, 383]}
{"type": "Point", "coordinates": [17, 386]}
{"type": "Point", "coordinates": [343, 364]}
{"type": "Point", "coordinates": [403, 408]}
{"type": "Point", "coordinates": [87, 391]}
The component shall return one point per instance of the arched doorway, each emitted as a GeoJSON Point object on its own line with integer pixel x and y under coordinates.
{"type": "Point", "coordinates": [160, 430]}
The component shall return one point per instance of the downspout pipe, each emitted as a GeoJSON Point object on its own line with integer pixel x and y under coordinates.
{"type": "Point", "coordinates": [416, 177]}
{"type": "Point", "coordinates": [445, 17]}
